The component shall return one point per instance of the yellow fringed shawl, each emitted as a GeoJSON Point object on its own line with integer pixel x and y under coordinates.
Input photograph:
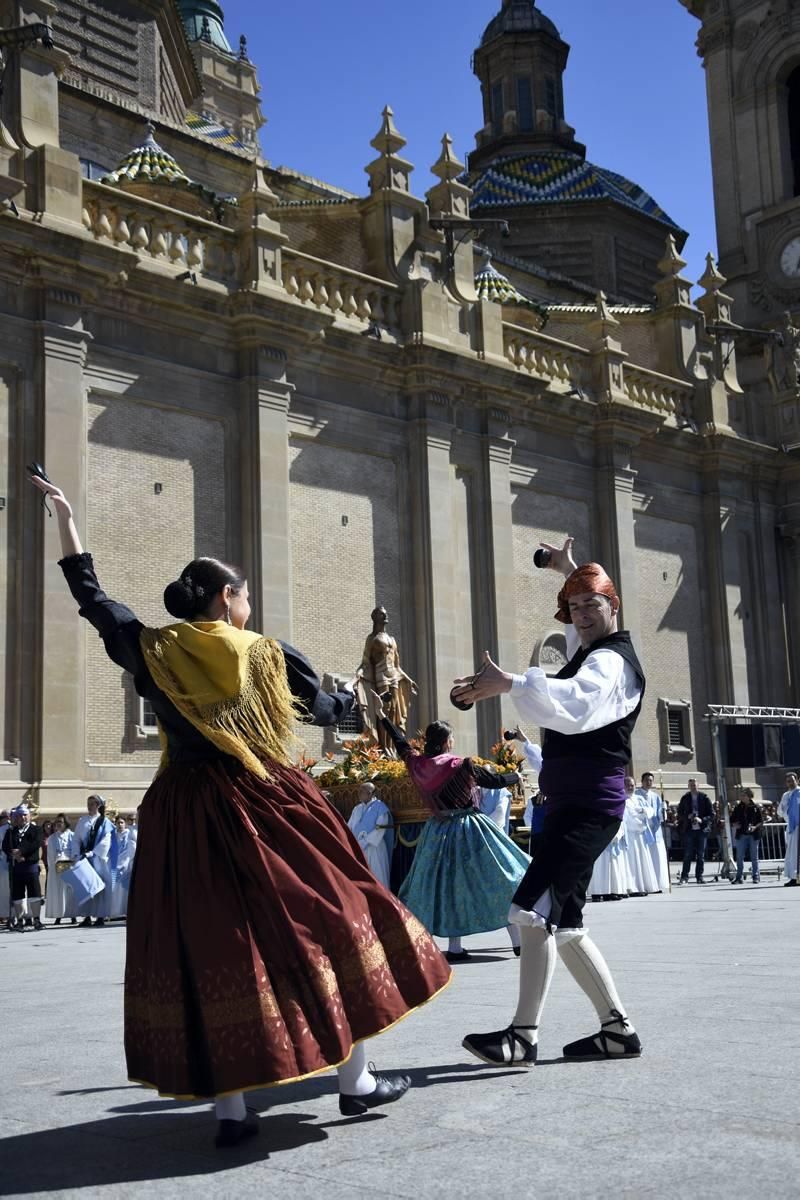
{"type": "Point", "coordinates": [230, 684]}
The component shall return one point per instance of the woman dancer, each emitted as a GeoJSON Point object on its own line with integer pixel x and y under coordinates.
{"type": "Point", "coordinates": [465, 870]}
{"type": "Point", "coordinates": [260, 947]}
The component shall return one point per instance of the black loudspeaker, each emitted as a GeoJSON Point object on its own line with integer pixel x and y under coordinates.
{"type": "Point", "coordinates": [791, 745]}
{"type": "Point", "coordinates": [739, 745]}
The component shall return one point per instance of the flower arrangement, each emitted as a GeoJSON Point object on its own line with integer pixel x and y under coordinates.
{"type": "Point", "coordinates": [505, 756]}
{"type": "Point", "coordinates": [364, 762]}
{"type": "Point", "coordinates": [306, 763]}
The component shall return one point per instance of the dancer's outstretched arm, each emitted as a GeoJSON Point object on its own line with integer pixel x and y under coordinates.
{"type": "Point", "coordinates": [70, 542]}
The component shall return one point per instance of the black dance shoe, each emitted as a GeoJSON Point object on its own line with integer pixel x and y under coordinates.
{"type": "Point", "coordinates": [611, 1044]}
{"type": "Point", "coordinates": [388, 1088]}
{"type": "Point", "coordinates": [230, 1133]}
{"type": "Point", "coordinates": [100, 922]}
{"type": "Point", "coordinates": [791, 883]}
{"type": "Point", "coordinates": [504, 1048]}
{"type": "Point", "coordinates": [517, 951]}
{"type": "Point", "coordinates": [456, 956]}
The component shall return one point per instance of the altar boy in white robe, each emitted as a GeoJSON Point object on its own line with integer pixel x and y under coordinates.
{"type": "Point", "coordinates": [639, 837]}
{"type": "Point", "coordinates": [124, 853]}
{"type": "Point", "coordinates": [93, 837]}
{"type": "Point", "coordinates": [789, 809]}
{"type": "Point", "coordinates": [371, 823]}
{"type": "Point", "coordinates": [654, 804]}
{"type": "Point", "coordinates": [61, 848]}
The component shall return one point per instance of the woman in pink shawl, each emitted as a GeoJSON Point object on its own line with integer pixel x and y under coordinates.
{"type": "Point", "coordinates": [465, 870]}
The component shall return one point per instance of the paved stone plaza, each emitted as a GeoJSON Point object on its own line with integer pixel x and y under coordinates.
{"type": "Point", "coordinates": [711, 977]}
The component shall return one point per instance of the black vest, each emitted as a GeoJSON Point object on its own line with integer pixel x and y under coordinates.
{"type": "Point", "coordinates": [612, 743]}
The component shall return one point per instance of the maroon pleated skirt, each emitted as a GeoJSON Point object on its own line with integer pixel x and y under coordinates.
{"type": "Point", "coordinates": [260, 946]}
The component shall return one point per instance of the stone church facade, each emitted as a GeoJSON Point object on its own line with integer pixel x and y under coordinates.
{"type": "Point", "coordinates": [365, 399]}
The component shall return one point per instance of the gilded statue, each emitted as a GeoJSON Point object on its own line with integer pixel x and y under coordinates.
{"type": "Point", "coordinates": [380, 672]}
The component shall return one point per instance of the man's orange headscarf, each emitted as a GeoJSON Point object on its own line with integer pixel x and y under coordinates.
{"type": "Point", "coordinates": [589, 578]}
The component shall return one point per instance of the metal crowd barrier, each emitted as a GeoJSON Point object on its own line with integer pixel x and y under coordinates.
{"type": "Point", "coordinates": [772, 851]}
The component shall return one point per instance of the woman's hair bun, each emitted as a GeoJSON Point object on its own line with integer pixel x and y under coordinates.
{"type": "Point", "coordinates": [180, 599]}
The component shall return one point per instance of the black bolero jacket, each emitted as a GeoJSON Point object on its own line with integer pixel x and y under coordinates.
{"type": "Point", "coordinates": [120, 629]}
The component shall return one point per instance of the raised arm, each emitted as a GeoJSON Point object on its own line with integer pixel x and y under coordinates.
{"type": "Point", "coordinates": [117, 625]}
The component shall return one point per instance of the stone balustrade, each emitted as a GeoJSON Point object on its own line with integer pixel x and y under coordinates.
{"type": "Point", "coordinates": [545, 357]}
{"type": "Point", "coordinates": [661, 393]}
{"type": "Point", "coordinates": [159, 234]}
{"type": "Point", "coordinates": [350, 296]}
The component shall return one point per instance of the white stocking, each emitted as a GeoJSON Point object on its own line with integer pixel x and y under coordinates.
{"type": "Point", "coordinates": [230, 1108]}
{"type": "Point", "coordinates": [355, 1078]}
{"type": "Point", "coordinates": [590, 971]}
{"type": "Point", "coordinates": [536, 965]}
{"type": "Point", "coordinates": [454, 945]}
{"type": "Point", "coordinates": [513, 933]}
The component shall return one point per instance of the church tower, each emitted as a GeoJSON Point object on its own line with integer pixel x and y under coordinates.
{"type": "Point", "coordinates": [565, 214]}
{"type": "Point", "coordinates": [520, 64]}
{"type": "Point", "coordinates": [230, 85]}
{"type": "Point", "coordinates": [751, 54]}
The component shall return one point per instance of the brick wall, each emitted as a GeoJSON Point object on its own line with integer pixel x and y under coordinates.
{"type": "Point", "coordinates": [340, 572]}
{"type": "Point", "coordinates": [141, 541]}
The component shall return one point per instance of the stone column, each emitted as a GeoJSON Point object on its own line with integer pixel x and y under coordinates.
{"type": "Point", "coordinates": [723, 623]}
{"type": "Point", "coordinates": [494, 587]}
{"type": "Point", "coordinates": [615, 528]}
{"type": "Point", "coordinates": [265, 488]}
{"type": "Point", "coordinates": [61, 445]}
{"type": "Point", "coordinates": [437, 607]}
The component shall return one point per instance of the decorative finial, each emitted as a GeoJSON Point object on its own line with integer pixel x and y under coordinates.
{"type": "Point", "coordinates": [388, 140]}
{"type": "Point", "coordinates": [447, 166]}
{"type": "Point", "coordinates": [712, 280]}
{"type": "Point", "coordinates": [671, 263]}
{"type": "Point", "coordinates": [150, 136]}
{"type": "Point", "coordinates": [243, 49]}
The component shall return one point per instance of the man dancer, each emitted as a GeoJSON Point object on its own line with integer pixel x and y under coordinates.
{"type": "Point", "coordinates": [588, 712]}
{"type": "Point", "coordinates": [789, 809]}
{"type": "Point", "coordinates": [22, 846]}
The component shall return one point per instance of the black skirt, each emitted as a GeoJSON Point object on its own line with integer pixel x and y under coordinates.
{"type": "Point", "coordinates": [565, 853]}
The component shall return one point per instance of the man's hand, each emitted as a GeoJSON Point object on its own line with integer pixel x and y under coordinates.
{"type": "Point", "coordinates": [561, 559]}
{"type": "Point", "coordinates": [489, 681]}
{"type": "Point", "coordinates": [520, 735]}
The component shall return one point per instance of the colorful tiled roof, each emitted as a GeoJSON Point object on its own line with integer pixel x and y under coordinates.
{"type": "Point", "coordinates": [150, 166]}
{"type": "Point", "coordinates": [147, 163]}
{"type": "Point", "coordinates": [213, 131]}
{"type": "Point", "coordinates": [491, 285]}
{"type": "Point", "coordinates": [556, 177]}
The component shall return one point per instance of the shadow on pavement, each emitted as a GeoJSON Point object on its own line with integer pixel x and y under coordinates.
{"type": "Point", "coordinates": [134, 1148]}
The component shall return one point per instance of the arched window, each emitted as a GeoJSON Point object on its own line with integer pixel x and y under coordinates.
{"type": "Point", "coordinates": [793, 106]}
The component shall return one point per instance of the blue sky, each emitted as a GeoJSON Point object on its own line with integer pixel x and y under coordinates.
{"type": "Point", "coordinates": [634, 89]}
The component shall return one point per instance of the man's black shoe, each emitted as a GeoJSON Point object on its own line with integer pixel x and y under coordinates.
{"type": "Point", "coordinates": [99, 922]}
{"type": "Point", "coordinates": [230, 1133]}
{"type": "Point", "coordinates": [791, 883]}
{"type": "Point", "coordinates": [86, 922]}
{"type": "Point", "coordinates": [503, 1048]}
{"type": "Point", "coordinates": [612, 1044]}
{"type": "Point", "coordinates": [388, 1088]}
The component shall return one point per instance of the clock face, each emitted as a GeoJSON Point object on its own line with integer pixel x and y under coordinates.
{"type": "Point", "coordinates": [790, 258]}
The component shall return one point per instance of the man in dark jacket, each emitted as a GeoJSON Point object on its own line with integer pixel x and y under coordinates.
{"type": "Point", "coordinates": [695, 815]}
{"type": "Point", "coordinates": [747, 821]}
{"type": "Point", "coordinates": [22, 846]}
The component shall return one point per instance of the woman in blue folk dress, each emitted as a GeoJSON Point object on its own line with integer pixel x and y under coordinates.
{"type": "Point", "coordinates": [466, 870]}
